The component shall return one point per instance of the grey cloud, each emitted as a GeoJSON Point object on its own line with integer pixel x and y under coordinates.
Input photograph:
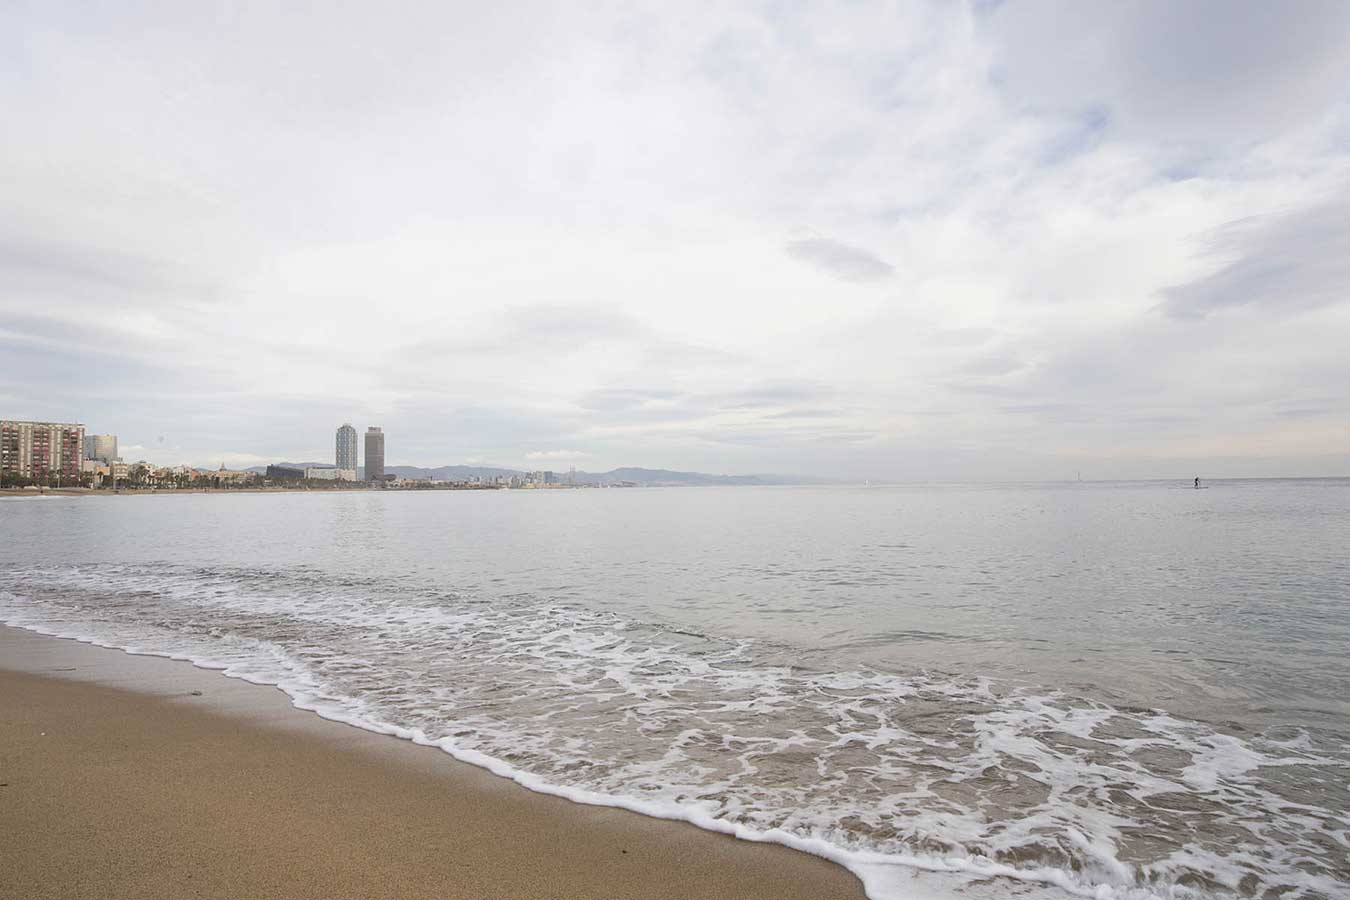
{"type": "Point", "coordinates": [786, 409]}
{"type": "Point", "coordinates": [841, 260]}
{"type": "Point", "coordinates": [66, 271]}
{"type": "Point", "coordinates": [87, 335]}
{"type": "Point", "coordinates": [654, 412]}
{"type": "Point", "coordinates": [1216, 72]}
{"type": "Point", "coordinates": [770, 395]}
{"type": "Point", "coordinates": [49, 374]}
{"type": "Point", "coordinates": [961, 337]}
{"type": "Point", "coordinates": [553, 330]}
{"type": "Point", "coordinates": [623, 399]}
{"type": "Point", "coordinates": [90, 358]}
{"type": "Point", "coordinates": [553, 322]}
{"type": "Point", "coordinates": [807, 414]}
{"type": "Point", "coordinates": [530, 329]}
{"type": "Point", "coordinates": [187, 407]}
{"type": "Point", "coordinates": [749, 435]}
{"type": "Point", "coordinates": [987, 389]}
{"type": "Point", "coordinates": [992, 364]}
{"type": "Point", "coordinates": [427, 431]}
{"type": "Point", "coordinates": [1038, 409]}
{"type": "Point", "coordinates": [297, 172]}
{"type": "Point", "coordinates": [1289, 263]}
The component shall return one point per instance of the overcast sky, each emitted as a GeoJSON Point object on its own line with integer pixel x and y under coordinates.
{"type": "Point", "coordinates": [986, 241]}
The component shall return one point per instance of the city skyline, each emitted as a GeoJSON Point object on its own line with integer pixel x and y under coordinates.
{"type": "Point", "coordinates": [982, 241]}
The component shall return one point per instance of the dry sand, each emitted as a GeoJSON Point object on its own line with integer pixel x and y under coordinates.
{"type": "Point", "coordinates": [135, 777]}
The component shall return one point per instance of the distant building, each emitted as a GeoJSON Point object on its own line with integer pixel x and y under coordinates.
{"type": "Point", "coordinates": [104, 473]}
{"type": "Point", "coordinates": [284, 473]}
{"type": "Point", "coordinates": [40, 450]}
{"type": "Point", "coordinates": [346, 451]}
{"type": "Point", "coordinates": [102, 447]}
{"type": "Point", "coordinates": [224, 477]}
{"type": "Point", "coordinates": [374, 454]}
{"type": "Point", "coordinates": [321, 473]}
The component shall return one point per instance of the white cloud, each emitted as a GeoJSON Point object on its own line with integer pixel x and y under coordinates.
{"type": "Point", "coordinates": [969, 237]}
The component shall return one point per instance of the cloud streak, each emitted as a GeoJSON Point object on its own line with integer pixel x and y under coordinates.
{"type": "Point", "coordinates": [1282, 264]}
{"type": "Point", "coordinates": [840, 260]}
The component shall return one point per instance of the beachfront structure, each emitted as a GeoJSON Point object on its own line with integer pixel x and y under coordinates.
{"type": "Point", "coordinates": [374, 454]}
{"type": "Point", "coordinates": [40, 450]}
{"type": "Point", "coordinates": [101, 447]}
{"type": "Point", "coordinates": [99, 470]}
{"type": "Point", "coordinates": [224, 477]}
{"type": "Point", "coordinates": [346, 452]}
{"type": "Point", "coordinates": [320, 473]}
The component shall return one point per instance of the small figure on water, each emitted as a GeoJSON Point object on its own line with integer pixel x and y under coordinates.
{"type": "Point", "coordinates": [1197, 482]}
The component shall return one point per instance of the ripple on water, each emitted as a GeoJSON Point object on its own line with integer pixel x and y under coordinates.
{"type": "Point", "coordinates": [879, 769]}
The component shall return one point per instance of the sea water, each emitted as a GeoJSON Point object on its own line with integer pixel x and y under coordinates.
{"type": "Point", "coordinates": [1106, 690]}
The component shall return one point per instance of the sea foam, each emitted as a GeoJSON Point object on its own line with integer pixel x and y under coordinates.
{"type": "Point", "coordinates": [922, 784]}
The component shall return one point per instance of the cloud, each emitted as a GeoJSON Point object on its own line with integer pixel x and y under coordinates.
{"type": "Point", "coordinates": [555, 455]}
{"type": "Point", "coordinates": [503, 231]}
{"type": "Point", "coordinates": [992, 364]}
{"type": "Point", "coordinates": [840, 260]}
{"type": "Point", "coordinates": [770, 394]}
{"type": "Point", "coordinates": [962, 337]}
{"type": "Point", "coordinates": [624, 398]}
{"type": "Point", "coordinates": [1208, 73]}
{"type": "Point", "coordinates": [33, 263]}
{"type": "Point", "coordinates": [1282, 264]}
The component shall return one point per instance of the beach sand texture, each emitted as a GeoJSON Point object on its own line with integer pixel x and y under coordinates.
{"type": "Point", "coordinates": [137, 777]}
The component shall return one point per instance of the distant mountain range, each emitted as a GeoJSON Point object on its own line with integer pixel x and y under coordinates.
{"type": "Point", "coordinates": [625, 475]}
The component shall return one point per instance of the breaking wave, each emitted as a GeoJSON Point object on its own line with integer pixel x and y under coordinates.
{"type": "Point", "coordinates": [887, 773]}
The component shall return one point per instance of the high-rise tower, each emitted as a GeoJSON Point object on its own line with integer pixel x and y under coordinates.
{"type": "Point", "coordinates": [374, 454]}
{"type": "Point", "coordinates": [346, 452]}
{"type": "Point", "coordinates": [102, 447]}
{"type": "Point", "coordinates": [40, 450]}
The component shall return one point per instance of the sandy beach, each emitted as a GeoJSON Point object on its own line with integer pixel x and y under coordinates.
{"type": "Point", "coordinates": [139, 777]}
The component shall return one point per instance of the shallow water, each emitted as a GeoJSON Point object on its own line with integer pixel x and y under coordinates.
{"type": "Point", "coordinates": [1105, 689]}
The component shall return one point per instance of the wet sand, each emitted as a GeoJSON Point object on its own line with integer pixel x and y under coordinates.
{"type": "Point", "coordinates": [138, 777]}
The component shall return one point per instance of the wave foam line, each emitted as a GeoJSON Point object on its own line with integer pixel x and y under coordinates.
{"type": "Point", "coordinates": [877, 871]}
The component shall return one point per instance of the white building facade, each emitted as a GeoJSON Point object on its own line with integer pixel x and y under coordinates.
{"type": "Point", "coordinates": [346, 452]}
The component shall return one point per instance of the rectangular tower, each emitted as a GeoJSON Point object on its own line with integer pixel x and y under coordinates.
{"type": "Point", "coordinates": [374, 454]}
{"type": "Point", "coordinates": [102, 447]}
{"type": "Point", "coordinates": [41, 451]}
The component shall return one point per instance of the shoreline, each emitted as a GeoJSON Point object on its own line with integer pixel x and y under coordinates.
{"type": "Point", "coordinates": [136, 492]}
{"type": "Point", "coordinates": [138, 776]}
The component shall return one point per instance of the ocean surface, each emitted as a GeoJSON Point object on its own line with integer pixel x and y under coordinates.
{"type": "Point", "coordinates": [1120, 690]}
